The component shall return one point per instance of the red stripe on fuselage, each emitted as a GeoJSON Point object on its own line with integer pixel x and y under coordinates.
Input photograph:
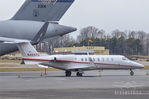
{"type": "Point", "coordinates": [28, 59]}
{"type": "Point", "coordinates": [35, 59]}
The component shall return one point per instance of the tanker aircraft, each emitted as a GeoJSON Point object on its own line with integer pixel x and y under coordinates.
{"type": "Point", "coordinates": [31, 17]}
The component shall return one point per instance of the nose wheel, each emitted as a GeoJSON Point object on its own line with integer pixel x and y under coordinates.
{"type": "Point", "coordinates": [131, 73]}
{"type": "Point", "coordinates": [68, 73]}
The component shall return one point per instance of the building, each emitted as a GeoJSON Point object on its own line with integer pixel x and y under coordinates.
{"type": "Point", "coordinates": [94, 50]}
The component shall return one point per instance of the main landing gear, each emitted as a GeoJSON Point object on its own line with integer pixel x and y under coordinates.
{"type": "Point", "coordinates": [68, 73]}
{"type": "Point", "coordinates": [79, 74]}
{"type": "Point", "coordinates": [131, 72]}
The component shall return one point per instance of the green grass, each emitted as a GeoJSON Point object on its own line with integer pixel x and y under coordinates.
{"type": "Point", "coordinates": [26, 69]}
{"type": "Point", "coordinates": [10, 61]}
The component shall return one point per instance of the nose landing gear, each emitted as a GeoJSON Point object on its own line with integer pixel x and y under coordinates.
{"type": "Point", "coordinates": [131, 72]}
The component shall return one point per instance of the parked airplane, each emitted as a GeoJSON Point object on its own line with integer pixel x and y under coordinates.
{"type": "Point", "coordinates": [31, 17]}
{"type": "Point", "coordinates": [69, 63]}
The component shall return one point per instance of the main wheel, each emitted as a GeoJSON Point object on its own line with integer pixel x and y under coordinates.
{"type": "Point", "coordinates": [79, 74]}
{"type": "Point", "coordinates": [131, 73]}
{"type": "Point", "coordinates": [68, 73]}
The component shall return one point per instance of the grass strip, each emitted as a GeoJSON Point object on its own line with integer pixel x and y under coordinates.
{"type": "Point", "coordinates": [25, 69]}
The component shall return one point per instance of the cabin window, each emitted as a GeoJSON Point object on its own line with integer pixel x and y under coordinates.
{"type": "Point", "coordinates": [93, 59]}
{"type": "Point", "coordinates": [112, 59]}
{"type": "Point", "coordinates": [98, 59]}
{"type": "Point", "coordinates": [107, 59]}
{"type": "Point", "coordinates": [82, 59]}
{"type": "Point", "coordinates": [85, 59]}
{"type": "Point", "coordinates": [102, 59]}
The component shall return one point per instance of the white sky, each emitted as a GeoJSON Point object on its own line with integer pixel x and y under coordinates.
{"type": "Point", "coordinates": [103, 14]}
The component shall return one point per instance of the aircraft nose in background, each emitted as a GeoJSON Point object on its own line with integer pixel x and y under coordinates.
{"type": "Point", "coordinates": [58, 30]}
{"type": "Point", "coordinates": [65, 29]}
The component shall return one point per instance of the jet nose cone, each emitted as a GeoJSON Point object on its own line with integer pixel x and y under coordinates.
{"type": "Point", "coordinates": [137, 65]}
{"type": "Point", "coordinates": [140, 66]}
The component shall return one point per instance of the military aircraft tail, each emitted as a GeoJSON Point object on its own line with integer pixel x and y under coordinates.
{"type": "Point", "coordinates": [43, 10]}
{"type": "Point", "coordinates": [25, 47]}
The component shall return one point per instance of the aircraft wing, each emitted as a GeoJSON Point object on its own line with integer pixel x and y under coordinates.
{"type": "Point", "coordinates": [66, 66]}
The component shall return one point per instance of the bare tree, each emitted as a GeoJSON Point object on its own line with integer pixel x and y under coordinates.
{"type": "Point", "coordinates": [132, 34]}
{"type": "Point", "coordinates": [90, 32]}
{"type": "Point", "coordinates": [117, 33]}
{"type": "Point", "coordinates": [64, 41]}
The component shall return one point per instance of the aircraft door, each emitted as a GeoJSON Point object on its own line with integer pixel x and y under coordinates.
{"type": "Point", "coordinates": [91, 61]}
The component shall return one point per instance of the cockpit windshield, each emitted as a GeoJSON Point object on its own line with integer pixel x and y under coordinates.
{"type": "Point", "coordinates": [124, 58]}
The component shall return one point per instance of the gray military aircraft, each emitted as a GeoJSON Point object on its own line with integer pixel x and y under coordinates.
{"type": "Point", "coordinates": [31, 17]}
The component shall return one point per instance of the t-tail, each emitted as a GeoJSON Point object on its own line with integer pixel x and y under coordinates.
{"type": "Point", "coordinates": [43, 10]}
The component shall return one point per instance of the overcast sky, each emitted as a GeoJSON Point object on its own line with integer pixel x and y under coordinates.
{"type": "Point", "coordinates": [103, 14]}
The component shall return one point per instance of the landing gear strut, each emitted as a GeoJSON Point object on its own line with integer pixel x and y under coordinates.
{"type": "Point", "coordinates": [68, 73]}
{"type": "Point", "coordinates": [131, 72]}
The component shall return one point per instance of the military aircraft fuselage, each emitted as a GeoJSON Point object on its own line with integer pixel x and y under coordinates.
{"type": "Point", "coordinates": [22, 29]}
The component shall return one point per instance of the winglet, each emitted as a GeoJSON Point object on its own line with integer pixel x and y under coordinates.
{"type": "Point", "coordinates": [40, 35]}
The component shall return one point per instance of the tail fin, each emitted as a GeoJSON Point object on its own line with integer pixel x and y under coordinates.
{"type": "Point", "coordinates": [43, 10]}
{"type": "Point", "coordinates": [25, 47]}
{"type": "Point", "coordinates": [27, 50]}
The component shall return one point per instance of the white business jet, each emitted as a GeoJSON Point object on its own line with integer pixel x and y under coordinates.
{"type": "Point", "coordinates": [70, 63]}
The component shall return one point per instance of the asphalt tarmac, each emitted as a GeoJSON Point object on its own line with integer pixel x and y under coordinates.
{"type": "Point", "coordinates": [111, 84]}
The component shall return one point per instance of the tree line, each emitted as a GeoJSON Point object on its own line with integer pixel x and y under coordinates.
{"type": "Point", "coordinates": [118, 42]}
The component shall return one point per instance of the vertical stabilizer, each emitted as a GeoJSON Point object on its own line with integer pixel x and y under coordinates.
{"type": "Point", "coordinates": [27, 50]}
{"type": "Point", "coordinates": [43, 10]}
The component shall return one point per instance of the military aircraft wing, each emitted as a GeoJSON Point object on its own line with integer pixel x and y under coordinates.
{"type": "Point", "coordinates": [13, 40]}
